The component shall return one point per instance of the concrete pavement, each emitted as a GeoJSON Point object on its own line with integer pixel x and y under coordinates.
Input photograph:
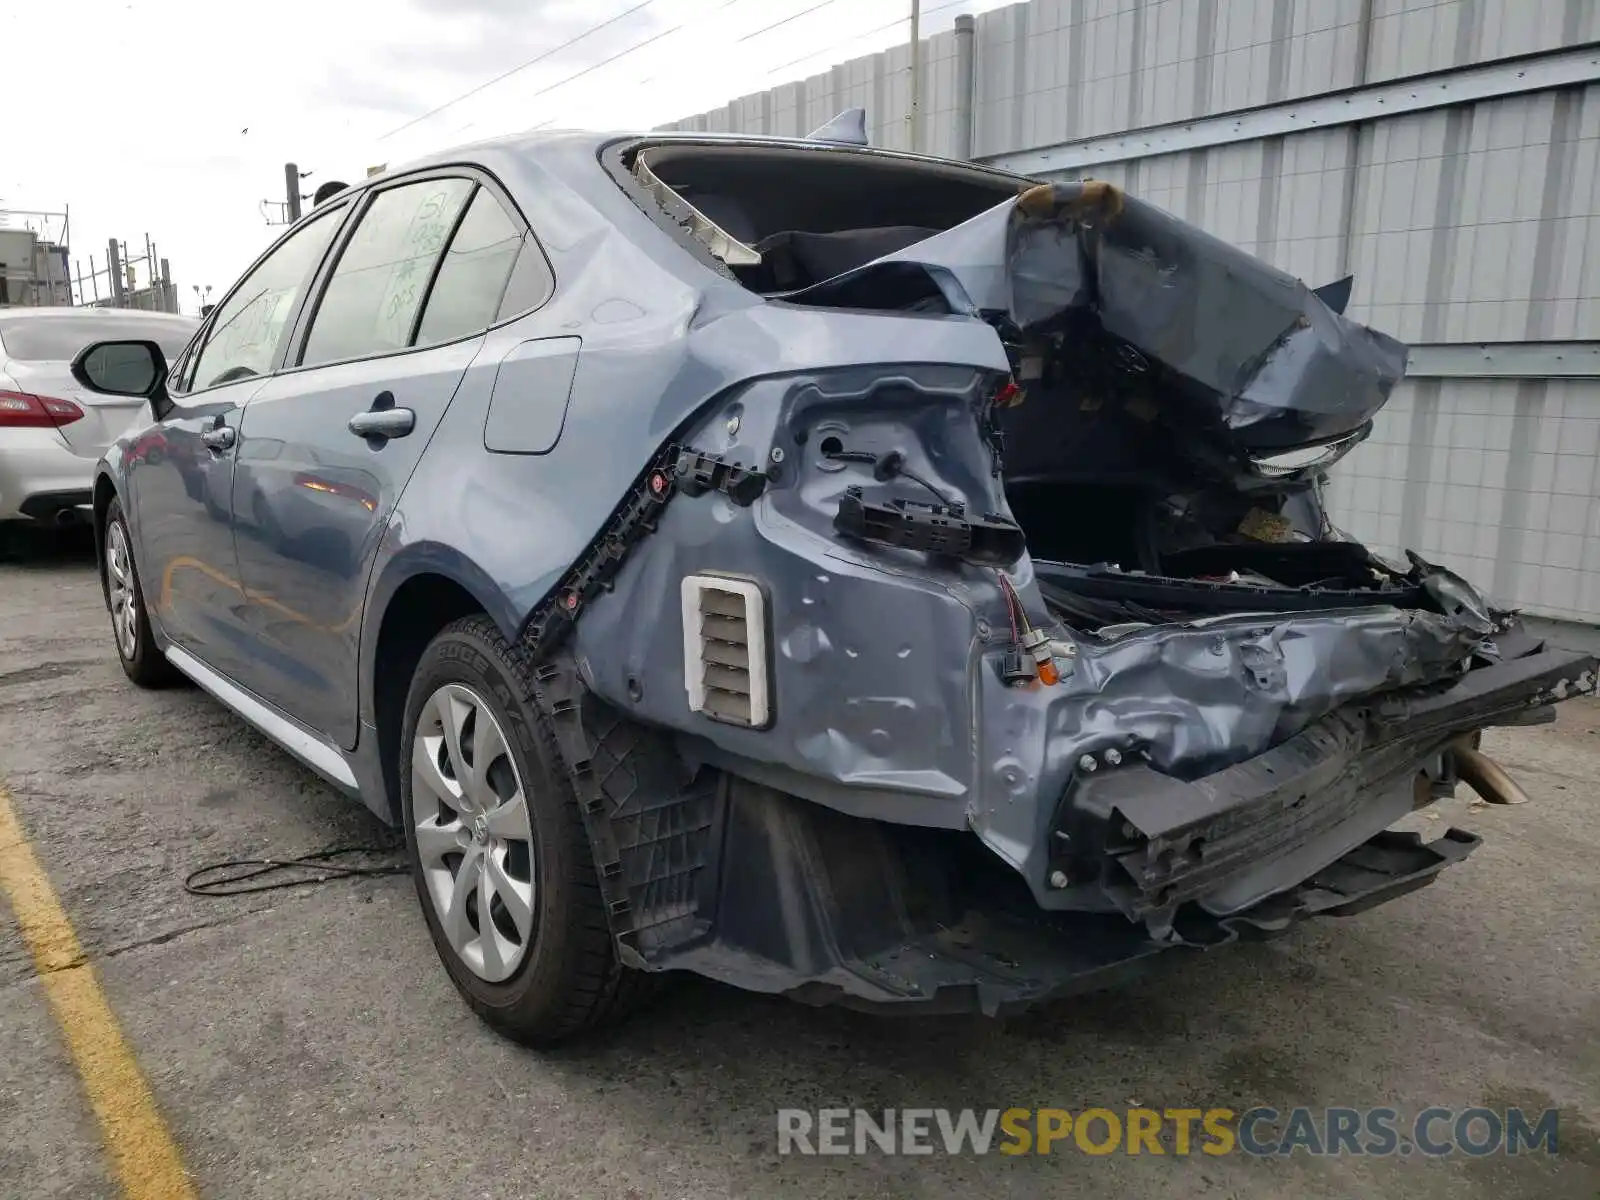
{"type": "Point", "coordinates": [308, 1044]}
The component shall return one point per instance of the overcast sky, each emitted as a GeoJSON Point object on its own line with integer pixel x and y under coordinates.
{"type": "Point", "coordinates": [174, 117]}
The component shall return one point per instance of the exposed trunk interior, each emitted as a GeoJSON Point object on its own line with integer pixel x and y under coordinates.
{"type": "Point", "coordinates": [1111, 554]}
{"type": "Point", "coordinates": [1152, 485]}
{"type": "Point", "coordinates": [1136, 509]}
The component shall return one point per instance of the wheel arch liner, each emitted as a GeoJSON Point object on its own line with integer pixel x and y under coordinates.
{"type": "Point", "coordinates": [706, 872]}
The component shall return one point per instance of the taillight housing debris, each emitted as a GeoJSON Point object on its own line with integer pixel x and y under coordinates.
{"type": "Point", "coordinates": [24, 410]}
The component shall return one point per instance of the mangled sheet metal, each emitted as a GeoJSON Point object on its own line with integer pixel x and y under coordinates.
{"type": "Point", "coordinates": [893, 699]}
{"type": "Point", "coordinates": [1281, 368]}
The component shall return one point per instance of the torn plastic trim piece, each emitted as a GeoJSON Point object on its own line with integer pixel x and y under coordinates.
{"type": "Point", "coordinates": [643, 813]}
{"type": "Point", "coordinates": [936, 529]}
{"type": "Point", "coordinates": [882, 918]}
{"type": "Point", "coordinates": [1386, 866]}
{"type": "Point", "coordinates": [699, 472]}
{"type": "Point", "coordinates": [722, 244]}
{"type": "Point", "coordinates": [1157, 841]}
{"type": "Point", "coordinates": [633, 519]}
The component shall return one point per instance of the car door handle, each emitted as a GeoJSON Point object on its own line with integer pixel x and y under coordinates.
{"type": "Point", "coordinates": [383, 423]}
{"type": "Point", "coordinates": [220, 438]}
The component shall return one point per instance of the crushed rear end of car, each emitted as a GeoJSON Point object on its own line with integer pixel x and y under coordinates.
{"type": "Point", "coordinates": [996, 681]}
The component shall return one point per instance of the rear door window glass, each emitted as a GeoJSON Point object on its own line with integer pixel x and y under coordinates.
{"type": "Point", "coordinates": [472, 278]}
{"type": "Point", "coordinates": [371, 301]}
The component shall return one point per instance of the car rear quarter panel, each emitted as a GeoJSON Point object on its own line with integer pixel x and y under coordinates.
{"type": "Point", "coordinates": [662, 337]}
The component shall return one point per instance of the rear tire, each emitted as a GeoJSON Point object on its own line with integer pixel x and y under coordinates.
{"type": "Point", "coordinates": [141, 660]}
{"type": "Point", "coordinates": [560, 976]}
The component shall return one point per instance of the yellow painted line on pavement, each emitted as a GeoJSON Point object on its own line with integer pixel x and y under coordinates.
{"type": "Point", "coordinates": [144, 1159]}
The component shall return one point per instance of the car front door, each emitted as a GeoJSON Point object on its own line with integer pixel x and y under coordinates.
{"type": "Point", "coordinates": [326, 447]}
{"type": "Point", "coordinates": [180, 497]}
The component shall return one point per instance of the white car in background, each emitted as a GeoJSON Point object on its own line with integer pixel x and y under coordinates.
{"type": "Point", "coordinates": [52, 432]}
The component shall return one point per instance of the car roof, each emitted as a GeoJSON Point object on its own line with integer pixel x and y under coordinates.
{"type": "Point", "coordinates": [557, 148]}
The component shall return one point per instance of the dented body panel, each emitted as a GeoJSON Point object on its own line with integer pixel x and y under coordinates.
{"type": "Point", "coordinates": [1127, 799]}
{"type": "Point", "coordinates": [983, 774]}
{"type": "Point", "coordinates": [1278, 365]}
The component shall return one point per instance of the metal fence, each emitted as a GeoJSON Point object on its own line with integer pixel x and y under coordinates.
{"type": "Point", "coordinates": [126, 280]}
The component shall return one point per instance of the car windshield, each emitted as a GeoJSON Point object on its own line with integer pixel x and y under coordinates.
{"type": "Point", "coordinates": [58, 338]}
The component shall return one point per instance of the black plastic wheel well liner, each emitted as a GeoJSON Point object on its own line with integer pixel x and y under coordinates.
{"type": "Point", "coordinates": [418, 610]}
{"type": "Point", "coordinates": [104, 493]}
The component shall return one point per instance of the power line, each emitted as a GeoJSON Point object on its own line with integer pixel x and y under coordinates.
{"type": "Point", "coordinates": [710, 13]}
{"type": "Point", "coordinates": [594, 29]}
{"type": "Point", "coordinates": [621, 54]}
{"type": "Point", "coordinates": [848, 41]}
{"type": "Point", "coordinates": [605, 62]}
{"type": "Point", "coordinates": [805, 12]}
{"type": "Point", "coordinates": [856, 37]}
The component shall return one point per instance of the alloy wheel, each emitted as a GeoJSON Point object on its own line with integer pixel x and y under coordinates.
{"type": "Point", "coordinates": [473, 833]}
{"type": "Point", "coordinates": [124, 595]}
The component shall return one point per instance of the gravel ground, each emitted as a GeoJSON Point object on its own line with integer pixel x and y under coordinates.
{"type": "Point", "coordinates": [308, 1044]}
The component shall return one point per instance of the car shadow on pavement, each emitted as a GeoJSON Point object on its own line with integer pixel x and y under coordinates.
{"type": "Point", "coordinates": [1244, 1026]}
{"type": "Point", "coordinates": [845, 1058]}
{"type": "Point", "coordinates": [26, 547]}
{"type": "Point", "coordinates": [1438, 998]}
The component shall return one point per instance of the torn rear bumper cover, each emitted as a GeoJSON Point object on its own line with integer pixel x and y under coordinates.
{"type": "Point", "coordinates": [1000, 960]}
{"type": "Point", "coordinates": [763, 890]}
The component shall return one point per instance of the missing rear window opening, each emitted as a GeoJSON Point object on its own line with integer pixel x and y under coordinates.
{"type": "Point", "coordinates": [726, 248]}
{"type": "Point", "coordinates": [784, 217]}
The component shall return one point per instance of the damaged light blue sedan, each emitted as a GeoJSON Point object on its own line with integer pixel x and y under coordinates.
{"type": "Point", "coordinates": [864, 577]}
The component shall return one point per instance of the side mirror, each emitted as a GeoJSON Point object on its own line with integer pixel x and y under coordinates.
{"type": "Point", "coordinates": [122, 369]}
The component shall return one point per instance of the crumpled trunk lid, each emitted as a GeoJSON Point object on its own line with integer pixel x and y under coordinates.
{"type": "Point", "coordinates": [1250, 347]}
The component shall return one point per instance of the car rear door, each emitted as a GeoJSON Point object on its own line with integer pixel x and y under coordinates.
{"type": "Point", "coordinates": [326, 448]}
{"type": "Point", "coordinates": [179, 483]}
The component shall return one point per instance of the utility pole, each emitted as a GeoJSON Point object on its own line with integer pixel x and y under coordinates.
{"type": "Point", "coordinates": [114, 270]}
{"type": "Point", "coordinates": [966, 39]}
{"type": "Point", "coordinates": [915, 112]}
{"type": "Point", "coordinates": [291, 186]}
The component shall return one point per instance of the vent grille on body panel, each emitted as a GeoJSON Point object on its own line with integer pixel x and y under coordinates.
{"type": "Point", "coordinates": [725, 650]}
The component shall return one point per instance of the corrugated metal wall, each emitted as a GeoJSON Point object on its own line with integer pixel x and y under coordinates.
{"type": "Point", "coordinates": [1478, 222]}
{"type": "Point", "coordinates": [1496, 478]}
{"type": "Point", "coordinates": [1055, 70]}
{"type": "Point", "coordinates": [877, 83]}
{"type": "Point", "coordinates": [1470, 224]}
